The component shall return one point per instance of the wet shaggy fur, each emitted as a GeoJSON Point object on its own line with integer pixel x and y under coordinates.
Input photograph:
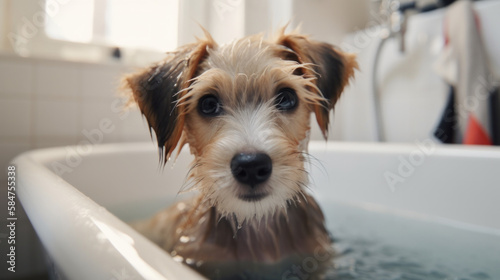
{"type": "Point", "coordinates": [219, 232]}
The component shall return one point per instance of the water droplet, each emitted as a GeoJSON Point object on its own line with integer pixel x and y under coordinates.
{"type": "Point", "coordinates": [199, 263]}
{"type": "Point", "coordinates": [181, 206]}
{"type": "Point", "coordinates": [190, 261]}
{"type": "Point", "coordinates": [173, 164]}
{"type": "Point", "coordinates": [178, 258]}
{"type": "Point", "coordinates": [184, 239]}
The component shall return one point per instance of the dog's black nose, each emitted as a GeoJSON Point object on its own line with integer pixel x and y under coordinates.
{"type": "Point", "coordinates": [251, 169]}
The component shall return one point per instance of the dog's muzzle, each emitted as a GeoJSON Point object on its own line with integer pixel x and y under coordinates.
{"type": "Point", "coordinates": [251, 169]}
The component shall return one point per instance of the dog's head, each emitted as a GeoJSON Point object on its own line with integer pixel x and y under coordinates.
{"type": "Point", "coordinates": [244, 109]}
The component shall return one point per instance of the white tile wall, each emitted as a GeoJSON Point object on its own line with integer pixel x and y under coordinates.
{"type": "Point", "coordinates": [57, 80]}
{"type": "Point", "coordinates": [16, 77]}
{"type": "Point", "coordinates": [15, 118]}
{"type": "Point", "coordinates": [94, 112]}
{"type": "Point", "coordinates": [100, 81]}
{"type": "Point", "coordinates": [56, 118]}
{"type": "Point", "coordinates": [134, 122]}
{"type": "Point", "coordinates": [8, 150]}
{"type": "Point", "coordinates": [46, 103]}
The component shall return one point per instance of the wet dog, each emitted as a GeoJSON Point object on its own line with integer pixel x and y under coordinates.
{"type": "Point", "coordinates": [244, 109]}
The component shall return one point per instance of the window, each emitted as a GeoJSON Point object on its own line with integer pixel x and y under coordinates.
{"type": "Point", "coordinates": [145, 24]}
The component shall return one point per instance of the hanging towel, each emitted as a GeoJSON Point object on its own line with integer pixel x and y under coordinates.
{"type": "Point", "coordinates": [464, 65]}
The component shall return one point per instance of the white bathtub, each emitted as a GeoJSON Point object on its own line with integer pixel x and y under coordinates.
{"type": "Point", "coordinates": [79, 215]}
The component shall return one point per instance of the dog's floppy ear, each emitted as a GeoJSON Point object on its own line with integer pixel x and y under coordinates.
{"type": "Point", "coordinates": [157, 89]}
{"type": "Point", "coordinates": [331, 67]}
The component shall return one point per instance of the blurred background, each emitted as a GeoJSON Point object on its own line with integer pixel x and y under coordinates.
{"type": "Point", "coordinates": [61, 62]}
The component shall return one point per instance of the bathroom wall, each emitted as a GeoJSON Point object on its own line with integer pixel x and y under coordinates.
{"type": "Point", "coordinates": [412, 94]}
{"type": "Point", "coordinates": [2, 24]}
{"type": "Point", "coordinates": [51, 102]}
{"type": "Point", "coordinates": [330, 21]}
{"type": "Point", "coordinates": [46, 103]}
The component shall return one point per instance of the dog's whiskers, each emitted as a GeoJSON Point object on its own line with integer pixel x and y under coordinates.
{"type": "Point", "coordinates": [188, 182]}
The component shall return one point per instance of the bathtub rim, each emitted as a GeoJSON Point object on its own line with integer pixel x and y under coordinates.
{"type": "Point", "coordinates": [95, 260]}
{"type": "Point", "coordinates": [35, 162]}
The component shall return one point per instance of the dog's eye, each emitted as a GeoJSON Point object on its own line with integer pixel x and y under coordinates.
{"type": "Point", "coordinates": [209, 105]}
{"type": "Point", "coordinates": [286, 99]}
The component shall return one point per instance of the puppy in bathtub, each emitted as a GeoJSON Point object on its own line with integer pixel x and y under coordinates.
{"type": "Point", "coordinates": [244, 110]}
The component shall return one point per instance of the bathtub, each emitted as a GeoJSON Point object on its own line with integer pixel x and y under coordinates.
{"type": "Point", "coordinates": [420, 194]}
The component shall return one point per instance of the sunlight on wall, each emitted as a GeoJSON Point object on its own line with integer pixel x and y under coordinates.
{"type": "Point", "coordinates": [147, 24]}
{"type": "Point", "coordinates": [73, 23]}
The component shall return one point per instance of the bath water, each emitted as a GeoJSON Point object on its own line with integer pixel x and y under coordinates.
{"type": "Point", "coordinates": [373, 245]}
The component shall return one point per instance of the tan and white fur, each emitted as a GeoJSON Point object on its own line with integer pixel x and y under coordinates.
{"type": "Point", "coordinates": [234, 105]}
